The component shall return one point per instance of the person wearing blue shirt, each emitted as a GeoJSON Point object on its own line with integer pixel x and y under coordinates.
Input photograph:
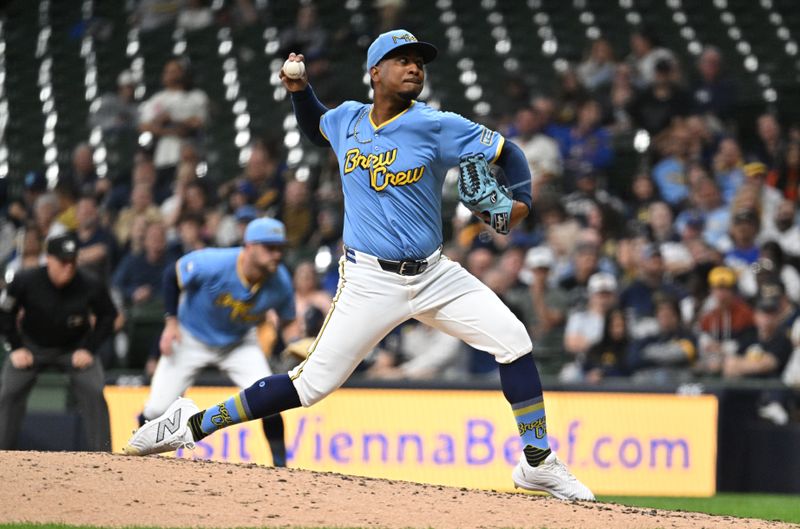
{"type": "Point", "coordinates": [393, 155]}
{"type": "Point", "coordinates": [226, 293]}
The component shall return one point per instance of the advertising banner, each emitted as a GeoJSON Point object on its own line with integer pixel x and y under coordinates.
{"type": "Point", "coordinates": [616, 443]}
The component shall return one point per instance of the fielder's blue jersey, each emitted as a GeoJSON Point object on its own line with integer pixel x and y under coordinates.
{"type": "Point", "coordinates": [218, 306]}
{"type": "Point", "coordinates": [392, 175]}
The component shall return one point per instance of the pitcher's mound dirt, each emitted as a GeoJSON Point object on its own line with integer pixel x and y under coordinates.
{"type": "Point", "coordinates": [114, 490]}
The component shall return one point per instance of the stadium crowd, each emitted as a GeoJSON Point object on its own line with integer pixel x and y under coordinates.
{"type": "Point", "coordinates": [686, 268]}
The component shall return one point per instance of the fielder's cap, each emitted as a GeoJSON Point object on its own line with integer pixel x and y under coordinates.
{"type": "Point", "coordinates": [265, 231]}
{"type": "Point", "coordinates": [539, 257]}
{"type": "Point", "coordinates": [35, 181]}
{"type": "Point", "coordinates": [754, 169]}
{"type": "Point", "coordinates": [602, 282]}
{"type": "Point", "coordinates": [246, 213]}
{"type": "Point", "coordinates": [722, 277]}
{"type": "Point", "coordinates": [391, 40]}
{"type": "Point", "coordinates": [63, 247]}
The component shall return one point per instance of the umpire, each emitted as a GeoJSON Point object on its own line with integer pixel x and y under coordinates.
{"type": "Point", "coordinates": [66, 315]}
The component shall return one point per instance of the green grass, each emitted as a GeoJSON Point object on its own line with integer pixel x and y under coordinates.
{"type": "Point", "coordinates": [781, 507]}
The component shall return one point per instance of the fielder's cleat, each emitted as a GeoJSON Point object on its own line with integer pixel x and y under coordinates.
{"type": "Point", "coordinates": [551, 476]}
{"type": "Point", "coordinates": [166, 433]}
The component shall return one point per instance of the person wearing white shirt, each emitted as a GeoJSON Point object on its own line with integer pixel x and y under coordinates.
{"type": "Point", "coordinates": [172, 115]}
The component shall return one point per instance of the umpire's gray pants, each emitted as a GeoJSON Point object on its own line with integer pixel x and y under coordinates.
{"type": "Point", "coordinates": [87, 385]}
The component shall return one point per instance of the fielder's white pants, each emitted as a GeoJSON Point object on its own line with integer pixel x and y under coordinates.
{"type": "Point", "coordinates": [370, 302]}
{"type": "Point", "coordinates": [244, 363]}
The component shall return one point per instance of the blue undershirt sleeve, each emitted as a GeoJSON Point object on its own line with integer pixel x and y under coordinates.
{"type": "Point", "coordinates": [172, 291]}
{"type": "Point", "coordinates": [308, 111]}
{"type": "Point", "coordinates": [515, 166]}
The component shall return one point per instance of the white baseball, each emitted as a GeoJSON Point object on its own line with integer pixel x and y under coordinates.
{"type": "Point", "coordinates": [294, 69]}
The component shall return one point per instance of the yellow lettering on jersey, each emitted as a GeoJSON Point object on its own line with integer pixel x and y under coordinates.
{"type": "Point", "coordinates": [378, 164]}
{"type": "Point", "coordinates": [240, 310]}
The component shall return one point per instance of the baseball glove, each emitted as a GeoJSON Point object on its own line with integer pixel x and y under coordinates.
{"type": "Point", "coordinates": [482, 194]}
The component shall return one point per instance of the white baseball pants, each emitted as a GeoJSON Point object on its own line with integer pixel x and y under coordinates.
{"type": "Point", "coordinates": [243, 362]}
{"type": "Point", "coordinates": [370, 302]}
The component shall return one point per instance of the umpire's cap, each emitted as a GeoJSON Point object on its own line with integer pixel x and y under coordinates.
{"type": "Point", "coordinates": [63, 247]}
{"type": "Point", "coordinates": [394, 39]}
{"type": "Point", "coordinates": [265, 231]}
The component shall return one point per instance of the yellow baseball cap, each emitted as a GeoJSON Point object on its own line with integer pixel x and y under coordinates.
{"type": "Point", "coordinates": [722, 277]}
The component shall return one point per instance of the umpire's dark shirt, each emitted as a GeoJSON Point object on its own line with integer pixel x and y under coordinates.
{"type": "Point", "coordinates": [57, 317]}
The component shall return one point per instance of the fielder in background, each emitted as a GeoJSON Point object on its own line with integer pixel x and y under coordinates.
{"type": "Point", "coordinates": [66, 315]}
{"type": "Point", "coordinates": [226, 294]}
{"type": "Point", "coordinates": [393, 156]}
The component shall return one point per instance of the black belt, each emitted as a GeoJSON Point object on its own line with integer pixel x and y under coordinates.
{"type": "Point", "coordinates": [404, 268]}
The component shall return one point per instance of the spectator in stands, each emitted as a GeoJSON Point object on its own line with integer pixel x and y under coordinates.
{"type": "Point", "coordinates": [117, 111]}
{"type": "Point", "coordinates": [67, 198]}
{"type": "Point", "coordinates": [766, 352]}
{"type": "Point", "coordinates": [261, 181]}
{"type": "Point", "coordinates": [391, 14]}
{"type": "Point", "coordinates": [597, 69]}
{"type": "Point", "coordinates": [589, 196]}
{"type": "Point", "coordinates": [45, 211]}
{"type": "Point", "coordinates": [195, 199]}
{"type": "Point", "coordinates": [660, 224]}
{"type": "Point", "coordinates": [637, 299]}
{"type": "Point", "coordinates": [82, 175]}
{"type": "Point", "coordinates": [586, 146]}
{"type": "Point", "coordinates": [786, 230]}
{"type": "Point", "coordinates": [770, 265]}
{"type": "Point", "coordinates": [608, 357]}
{"type": "Point", "coordinates": [195, 15]}
{"type": "Point", "coordinates": [645, 55]}
{"type": "Point", "coordinates": [725, 326]}
{"type": "Point", "coordinates": [666, 355]}
{"type": "Point", "coordinates": [138, 276]}
{"type": "Point", "coordinates": [585, 263]}
{"type": "Point", "coordinates": [230, 228]}
{"type": "Point", "coordinates": [172, 208]}
{"type": "Point", "coordinates": [656, 107]}
{"type": "Point", "coordinates": [307, 294]}
{"type": "Point", "coordinates": [308, 37]}
{"type": "Point", "coordinates": [771, 147]}
{"type": "Point", "coordinates": [297, 213]}
{"type": "Point", "coordinates": [744, 251]}
{"type": "Point", "coordinates": [549, 302]}
{"type": "Point", "coordinates": [621, 95]}
{"type": "Point", "coordinates": [479, 261]}
{"type": "Point", "coordinates": [786, 179]}
{"type": "Point", "coordinates": [643, 194]}
{"type": "Point", "coordinates": [769, 198]}
{"type": "Point", "coordinates": [713, 93]}
{"type": "Point", "coordinates": [671, 173]}
{"type": "Point", "coordinates": [585, 327]}
{"type": "Point", "coordinates": [176, 113]}
{"type": "Point", "coordinates": [771, 287]}
{"type": "Point", "coordinates": [706, 200]}
{"type": "Point", "coordinates": [152, 14]}
{"type": "Point", "coordinates": [424, 353]}
{"type": "Point", "coordinates": [30, 253]}
{"type": "Point", "coordinates": [541, 151]}
{"type": "Point", "coordinates": [144, 173]}
{"type": "Point", "coordinates": [728, 168]}
{"type": "Point", "coordinates": [97, 248]}
{"type": "Point", "coordinates": [44, 333]}
{"type": "Point", "coordinates": [189, 238]}
{"type": "Point", "coordinates": [570, 94]}
{"type": "Point", "coordinates": [141, 205]}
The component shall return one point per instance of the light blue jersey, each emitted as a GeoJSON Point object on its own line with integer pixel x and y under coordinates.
{"type": "Point", "coordinates": [218, 306]}
{"type": "Point", "coordinates": [392, 175]}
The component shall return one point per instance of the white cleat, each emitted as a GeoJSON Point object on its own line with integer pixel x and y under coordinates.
{"type": "Point", "coordinates": [551, 476]}
{"type": "Point", "coordinates": [166, 433]}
